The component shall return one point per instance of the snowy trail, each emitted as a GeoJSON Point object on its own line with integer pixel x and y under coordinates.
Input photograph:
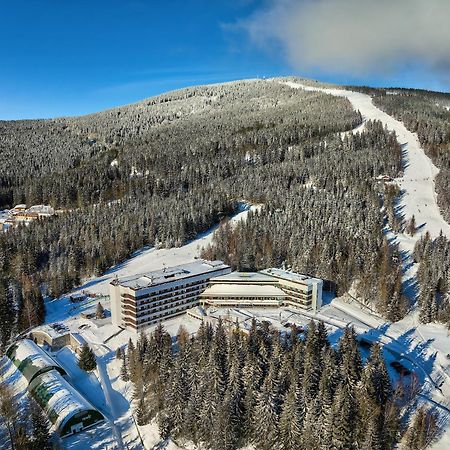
{"type": "Point", "coordinates": [417, 183]}
{"type": "Point", "coordinates": [106, 386]}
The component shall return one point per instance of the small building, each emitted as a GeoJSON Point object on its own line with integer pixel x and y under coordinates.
{"type": "Point", "coordinates": [76, 342]}
{"type": "Point", "coordinates": [50, 336]}
{"type": "Point", "coordinates": [31, 360]}
{"type": "Point", "coordinates": [41, 210]}
{"type": "Point", "coordinates": [25, 216]}
{"type": "Point", "coordinates": [77, 297]}
{"type": "Point", "coordinates": [66, 408]}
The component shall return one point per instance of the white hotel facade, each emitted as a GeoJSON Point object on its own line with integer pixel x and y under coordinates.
{"type": "Point", "coordinates": [145, 299]}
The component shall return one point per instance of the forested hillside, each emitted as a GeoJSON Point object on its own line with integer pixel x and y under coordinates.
{"type": "Point", "coordinates": [323, 217]}
{"type": "Point", "coordinates": [154, 173]}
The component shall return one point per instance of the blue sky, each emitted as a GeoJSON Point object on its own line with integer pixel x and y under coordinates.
{"type": "Point", "coordinates": [75, 57]}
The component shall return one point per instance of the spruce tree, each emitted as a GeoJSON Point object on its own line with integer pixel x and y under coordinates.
{"type": "Point", "coordinates": [40, 428]}
{"type": "Point", "coordinates": [100, 311]}
{"type": "Point", "coordinates": [124, 370]}
{"type": "Point", "coordinates": [267, 410]}
{"type": "Point", "coordinates": [291, 419]}
{"type": "Point", "coordinates": [87, 360]}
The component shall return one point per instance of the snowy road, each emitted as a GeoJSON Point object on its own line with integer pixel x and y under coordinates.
{"type": "Point", "coordinates": [417, 183]}
{"type": "Point", "coordinates": [107, 388]}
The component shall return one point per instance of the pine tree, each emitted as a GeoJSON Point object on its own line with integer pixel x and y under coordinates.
{"type": "Point", "coordinates": [87, 360]}
{"type": "Point", "coordinates": [344, 413]}
{"type": "Point", "coordinates": [100, 311]}
{"type": "Point", "coordinates": [267, 413]}
{"type": "Point", "coordinates": [40, 429]}
{"type": "Point", "coordinates": [291, 419]}
{"type": "Point", "coordinates": [373, 434]}
{"type": "Point", "coordinates": [124, 371]}
{"type": "Point", "coordinates": [422, 431]}
{"type": "Point", "coordinates": [411, 228]}
{"type": "Point", "coordinates": [6, 313]}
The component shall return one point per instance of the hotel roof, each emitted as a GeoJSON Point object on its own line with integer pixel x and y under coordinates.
{"type": "Point", "coordinates": [242, 290]}
{"type": "Point", "coordinates": [166, 275]}
{"type": "Point", "coordinates": [243, 277]}
{"type": "Point", "coordinates": [291, 276]}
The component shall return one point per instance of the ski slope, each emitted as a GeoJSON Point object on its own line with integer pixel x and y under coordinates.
{"type": "Point", "coordinates": [417, 182]}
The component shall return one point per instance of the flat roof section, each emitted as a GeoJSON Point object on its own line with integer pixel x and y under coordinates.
{"type": "Point", "coordinates": [242, 290]}
{"type": "Point", "coordinates": [243, 277]}
{"type": "Point", "coordinates": [291, 276]}
{"type": "Point", "coordinates": [166, 275]}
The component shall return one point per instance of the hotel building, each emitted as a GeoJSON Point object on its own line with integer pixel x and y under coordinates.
{"type": "Point", "coordinates": [145, 299]}
{"type": "Point", "coordinates": [269, 287]}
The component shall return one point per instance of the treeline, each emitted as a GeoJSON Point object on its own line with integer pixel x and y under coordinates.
{"type": "Point", "coordinates": [227, 390]}
{"type": "Point", "coordinates": [322, 216]}
{"type": "Point", "coordinates": [433, 278]}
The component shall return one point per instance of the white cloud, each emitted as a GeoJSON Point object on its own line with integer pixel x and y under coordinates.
{"type": "Point", "coordinates": [358, 37]}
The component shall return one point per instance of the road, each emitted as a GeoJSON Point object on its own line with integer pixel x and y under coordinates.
{"type": "Point", "coordinates": [107, 389]}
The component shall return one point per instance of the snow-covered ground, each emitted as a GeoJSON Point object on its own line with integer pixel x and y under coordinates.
{"type": "Point", "coordinates": [417, 183]}
{"type": "Point", "coordinates": [104, 388]}
{"type": "Point", "coordinates": [425, 346]}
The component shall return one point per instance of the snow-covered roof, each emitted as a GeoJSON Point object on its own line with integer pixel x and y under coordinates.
{"type": "Point", "coordinates": [31, 360]}
{"type": "Point", "coordinates": [242, 290]}
{"type": "Point", "coordinates": [291, 276]}
{"type": "Point", "coordinates": [51, 330]}
{"type": "Point", "coordinates": [243, 277]}
{"type": "Point", "coordinates": [170, 274]}
{"type": "Point", "coordinates": [41, 209]}
{"type": "Point", "coordinates": [59, 398]}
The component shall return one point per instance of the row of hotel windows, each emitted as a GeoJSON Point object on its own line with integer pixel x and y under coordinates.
{"type": "Point", "coordinates": [171, 289]}
{"type": "Point", "coordinates": [159, 305]}
{"type": "Point", "coordinates": [279, 299]}
{"type": "Point", "coordinates": [168, 312]}
{"type": "Point", "coordinates": [298, 291]}
{"type": "Point", "coordinates": [262, 299]}
{"type": "Point", "coordinates": [166, 293]}
{"type": "Point", "coordinates": [172, 305]}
